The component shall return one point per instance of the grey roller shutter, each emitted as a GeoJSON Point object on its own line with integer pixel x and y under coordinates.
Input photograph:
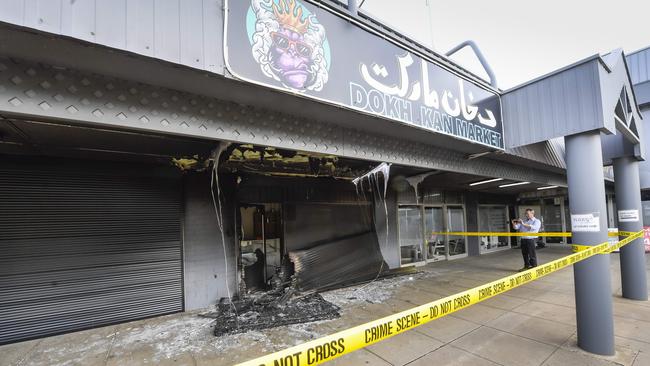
{"type": "Point", "coordinates": [84, 244]}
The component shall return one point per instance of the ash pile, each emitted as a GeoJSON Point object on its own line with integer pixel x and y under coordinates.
{"type": "Point", "coordinates": [281, 304]}
{"type": "Point", "coordinates": [292, 295]}
{"type": "Point", "coordinates": [267, 310]}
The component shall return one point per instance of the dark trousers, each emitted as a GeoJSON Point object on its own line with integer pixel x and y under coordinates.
{"type": "Point", "coordinates": [528, 251]}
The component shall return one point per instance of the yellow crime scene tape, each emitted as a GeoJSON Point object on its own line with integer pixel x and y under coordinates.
{"type": "Point", "coordinates": [542, 234]}
{"type": "Point", "coordinates": [335, 345]}
{"type": "Point", "coordinates": [490, 233]}
{"type": "Point", "coordinates": [629, 237]}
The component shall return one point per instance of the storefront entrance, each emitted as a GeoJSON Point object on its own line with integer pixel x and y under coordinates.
{"type": "Point", "coordinates": [260, 243]}
{"type": "Point", "coordinates": [419, 227]}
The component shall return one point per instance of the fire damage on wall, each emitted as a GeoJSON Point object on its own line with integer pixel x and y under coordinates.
{"type": "Point", "coordinates": [305, 223]}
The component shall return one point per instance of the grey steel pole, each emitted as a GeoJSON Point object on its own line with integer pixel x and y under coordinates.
{"type": "Point", "coordinates": [353, 7]}
{"type": "Point", "coordinates": [628, 200]}
{"type": "Point", "coordinates": [593, 288]}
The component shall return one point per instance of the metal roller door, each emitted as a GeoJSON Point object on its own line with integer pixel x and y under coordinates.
{"type": "Point", "coordinates": [84, 244]}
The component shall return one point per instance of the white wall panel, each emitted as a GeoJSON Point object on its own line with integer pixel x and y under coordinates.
{"type": "Point", "coordinates": [140, 26]}
{"type": "Point", "coordinates": [191, 33]}
{"type": "Point", "coordinates": [213, 36]}
{"type": "Point", "coordinates": [110, 18]}
{"type": "Point", "coordinates": [188, 32]}
{"type": "Point", "coordinates": [166, 30]}
{"type": "Point", "coordinates": [13, 11]}
{"type": "Point", "coordinates": [43, 14]}
{"type": "Point", "coordinates": [78, 19]}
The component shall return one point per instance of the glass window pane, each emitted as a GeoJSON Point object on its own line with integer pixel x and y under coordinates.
{"type": "Point", "coordinates": [552, 218]}
{"type": "Point", "coordinates": [456, 222]}
{"type": "Point", "coordinates": [493, 219]}
{"type": "Point", "coordinates": [410, 234]}
{"type": "Point", "coordinates": [434, 222]}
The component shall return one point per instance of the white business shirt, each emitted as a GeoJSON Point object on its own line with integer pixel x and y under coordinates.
{"type": "Point", "coordinates": [535, 225]}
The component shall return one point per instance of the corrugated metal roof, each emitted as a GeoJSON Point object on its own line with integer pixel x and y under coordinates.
{"type": "Point", "coordinates": [549, 152]}
{"type": "Point", "coordinates": [580, 97]}
{"type": "Point", "coordinates": [638, 63]}
{"type": "Point", "coordinates": [188, 32]}
{"type": "Point", "coordinates": [562, 103]}
{"type": "Point", "coordinates": [542, 110]}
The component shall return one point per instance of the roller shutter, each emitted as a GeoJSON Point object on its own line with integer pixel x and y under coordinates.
{"type": "Point", "coordinates": [85, 244]}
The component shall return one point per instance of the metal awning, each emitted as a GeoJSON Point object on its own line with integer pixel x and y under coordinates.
{"type": "Point", "coordinates": [592, 94]}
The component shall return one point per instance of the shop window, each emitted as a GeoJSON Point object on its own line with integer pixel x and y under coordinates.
{"type": "Point", "coordinates": [493, 218]}
{"type": "Point", "coordinates": [551, 216]}
{"type": "Point", "coordinates": [434, 223]}
{"type": "Point", "coordinates": [456, 222]}
{"type": "Point", "coordinates": [410, 234]}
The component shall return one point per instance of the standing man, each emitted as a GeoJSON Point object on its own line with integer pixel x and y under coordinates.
{"type": "Point", "coordinates": [529, 225]}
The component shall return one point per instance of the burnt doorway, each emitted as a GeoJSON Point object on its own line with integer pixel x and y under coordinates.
{"type": "Point", "coordinates": [260, 243]}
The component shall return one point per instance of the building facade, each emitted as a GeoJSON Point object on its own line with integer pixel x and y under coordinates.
{"type": "Point", "coordinates": [158, 157]}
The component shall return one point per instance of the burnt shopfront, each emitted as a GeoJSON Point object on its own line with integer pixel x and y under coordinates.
{"type": "Point", "coordinates": [296, 213]}
{"type": "Point", "coordinates": [301, 48]}
{"type": "Point", "coordinates": [274, 155]}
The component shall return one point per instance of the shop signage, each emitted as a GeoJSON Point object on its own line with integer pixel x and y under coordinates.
{"type": "Point", "coordinates": [628, 215]}
{"type": "Point", "coordinates": [299, 47]}
{"type": "Point", "coordinates": [585, 222]}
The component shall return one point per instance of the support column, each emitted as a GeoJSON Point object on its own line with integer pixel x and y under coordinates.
{"type": "Point", "coordinates": [593, 289]}
{"type": "Point", "coordinates": [353, 6]}
{"type": "Point", "coordinates": [628, 198]}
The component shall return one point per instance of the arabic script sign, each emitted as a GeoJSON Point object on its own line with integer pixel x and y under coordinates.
{"type": "Point", "coordinates": [295, 46]}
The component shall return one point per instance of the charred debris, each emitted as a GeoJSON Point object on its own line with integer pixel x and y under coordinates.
{"type": "Point", "coordinates": [280, 285]}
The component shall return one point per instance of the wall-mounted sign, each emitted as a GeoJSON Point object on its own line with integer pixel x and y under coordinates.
{"type": "Point", "coordinates": [628, 215]}
{"type": "Point", "coordinates": [302, 48]}
{"type": "Point", "coordinates": [585, 222]}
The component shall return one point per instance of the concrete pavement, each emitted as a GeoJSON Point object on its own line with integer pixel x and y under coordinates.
{"type": "Point", "coordinates": [531, 325]}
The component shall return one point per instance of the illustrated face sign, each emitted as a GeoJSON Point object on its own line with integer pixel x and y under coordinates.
{"type": "Point", "coordinates": [288, 43]}
{"type": "Point", "coordinates": [309, 49]}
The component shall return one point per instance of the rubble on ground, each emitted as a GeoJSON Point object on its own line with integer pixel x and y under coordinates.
{"type": "Point", "coordinates": [263, 311]}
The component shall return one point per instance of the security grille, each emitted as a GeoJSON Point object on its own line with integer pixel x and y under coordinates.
{"type": "Point", "coordinates": [84, 244]}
